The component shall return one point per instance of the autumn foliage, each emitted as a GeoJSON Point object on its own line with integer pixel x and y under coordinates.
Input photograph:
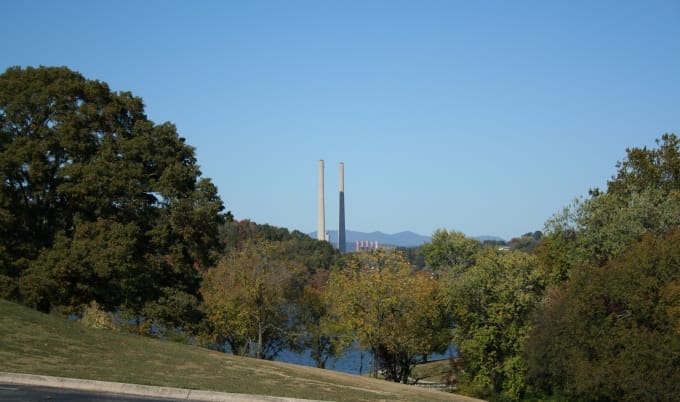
{"type": "Point", "coordinates": [397, 314]}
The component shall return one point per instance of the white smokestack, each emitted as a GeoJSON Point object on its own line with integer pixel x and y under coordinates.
{"type": "Point", "coordinates": [321, 217]}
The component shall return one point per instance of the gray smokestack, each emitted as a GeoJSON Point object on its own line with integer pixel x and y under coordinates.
{"type": "Point", "coordinates": [341, 225]}
{"type": "Point", "coordinates": [321, 217]}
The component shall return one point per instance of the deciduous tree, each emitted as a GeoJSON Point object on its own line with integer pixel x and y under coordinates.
{"type": "Point", "coordinates": [609, 320]}
{"type": "Point", "coordinates": [397, 314]}
{"type": "Point", "coordinates": [248, 298]}
{"type": "Point", "coordinates": [492, 302]}
{"type": "Point", "coordinates": [326, 337]}
{"type": "Point", "coordinates": [97, 202]}
{"type": "Point", "coordinates": [643, 197]}
{"type": "Point", "coordinates": [449, 250]}
{"type": "Point", "coordinates": [612, 333]}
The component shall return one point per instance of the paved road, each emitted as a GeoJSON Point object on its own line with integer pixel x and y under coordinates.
{"type": "Point", "coordinates": [73, 389]}
{"type": "Point", "coordinates": [29, 393]}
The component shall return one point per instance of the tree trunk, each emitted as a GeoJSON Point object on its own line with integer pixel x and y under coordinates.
{"type": "Point", "coordinates": [260, 336]}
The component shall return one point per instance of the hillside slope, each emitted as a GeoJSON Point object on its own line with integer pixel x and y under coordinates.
{"type": "Point", "coordinates": [35, 343]}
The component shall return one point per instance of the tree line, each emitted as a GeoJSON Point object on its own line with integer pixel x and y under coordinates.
{"type": "Point", "coordinates": [104, 213]}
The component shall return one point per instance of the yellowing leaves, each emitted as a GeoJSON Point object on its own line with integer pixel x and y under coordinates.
{"type": "Point", "coordinates": [246, 298]}
{"type": "Point", "coordinates": [396, 313]}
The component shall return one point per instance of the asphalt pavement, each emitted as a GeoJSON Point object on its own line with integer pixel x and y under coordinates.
{"type": "Point", "coordinates": [31, 393]}
{"type": "Point", "coordinates": [41, 388]}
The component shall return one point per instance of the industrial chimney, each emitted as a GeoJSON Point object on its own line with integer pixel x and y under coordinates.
{"type": "Point", "coordinates": [321, 217]}
{"type": "Point", "coordinates": [341, 224]}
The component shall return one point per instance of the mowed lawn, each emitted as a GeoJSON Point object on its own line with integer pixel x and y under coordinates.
{"type": "Point", "coordinates": [36, 343]}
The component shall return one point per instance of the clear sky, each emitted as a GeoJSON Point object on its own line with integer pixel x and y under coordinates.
{"type": "Point", "coordinates": [485, 117]}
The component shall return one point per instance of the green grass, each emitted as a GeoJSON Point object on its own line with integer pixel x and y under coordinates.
{"type": "Point", "coordinates": [35, 343]}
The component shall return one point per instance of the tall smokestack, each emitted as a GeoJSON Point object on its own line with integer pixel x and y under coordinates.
{"type": "Point", "coordinates": [321, 217]}
{"type": "Point", "coordinates": [341, 224]}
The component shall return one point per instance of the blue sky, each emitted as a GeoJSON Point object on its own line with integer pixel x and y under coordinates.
{"type": "Point", "coordinates": [480, 116]}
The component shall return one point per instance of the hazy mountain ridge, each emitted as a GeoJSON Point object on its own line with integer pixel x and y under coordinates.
{"type": "Point", "coordinates": [401, 239]}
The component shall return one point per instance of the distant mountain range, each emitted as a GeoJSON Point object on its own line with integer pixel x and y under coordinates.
{"type": "Point", "coordinates": [401, 239]}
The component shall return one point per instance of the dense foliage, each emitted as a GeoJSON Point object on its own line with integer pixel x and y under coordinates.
{"type": "Point", "coordinates": [247, 298]}
{"type": "Point", "coordinates": [643, 197]}
{"type": "Point", "coordinates": [608, 329]}
{"type": "Point", "coordinates": [491, 306]}
{"type": "Point", "coordinates": [613, 332]}
{"type": "Point", "coordinates": [397, 314]}
{"type": "Point", "coordinates": [290, 270]}
{"type": "Point", "coordinates": [97, 202]}
{"type": "Point", "coordinates": [449, 250]}
{"type": "Point", "coordinates": [592, 313]}
{"type": "Point", "coordinates": [317, 329]}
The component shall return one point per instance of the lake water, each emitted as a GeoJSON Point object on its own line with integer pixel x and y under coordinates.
{"type": "Point", "coordinates": [354, 361]}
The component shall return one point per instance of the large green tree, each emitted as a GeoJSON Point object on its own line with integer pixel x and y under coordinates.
{"type": "Point", "coordinates": [610, 318]}
{"type": "Point", "coordinates": [643, 197]}
{"type": "Point", "coordinates": [492, 302]}
{"type": "Point", "coordinates": [644, 167]}
{"type": "Point", "coordinates": [97, 202]}
{"type": "Point", "coordinates": [449, 250]}
{"type": "Point", "coordinates": [612, 333]}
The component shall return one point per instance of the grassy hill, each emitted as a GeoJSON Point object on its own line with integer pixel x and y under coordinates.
{"type": "Point", "coordinates": [35, 343]}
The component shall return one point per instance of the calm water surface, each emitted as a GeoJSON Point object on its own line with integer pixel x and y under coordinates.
{"type": "Point", "coordinates": [354, 361]}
